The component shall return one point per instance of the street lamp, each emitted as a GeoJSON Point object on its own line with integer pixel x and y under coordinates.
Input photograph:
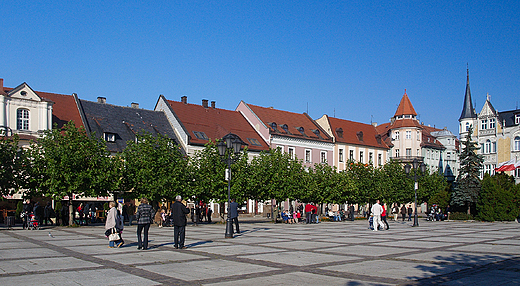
{"type": "Point", "coordinates": [407, 169]}
{"type": "Point", "coordinates": [228, 148]}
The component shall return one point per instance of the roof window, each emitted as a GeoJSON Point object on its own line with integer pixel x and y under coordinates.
{"type": "Point", "coordinates": [285, 128]}
{"type": "Point", "coordinates": [200, 135]}
{"type": "Point", "coordinates": [339, 131]}
{"type": "Point", "coordinates": [254, 142]}
{"type": "Point", "coordinates": [302, 130]}
{"type": "Point", "coordinates": [109, 137]}
{"type": "Point", "coordinates": [274, 126]}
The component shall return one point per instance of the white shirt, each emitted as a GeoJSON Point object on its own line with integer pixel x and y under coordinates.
{"type": "Point", "coordinates": [377, 209]}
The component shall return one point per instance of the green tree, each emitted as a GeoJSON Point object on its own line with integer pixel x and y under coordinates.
{"type": "Point", "coordinates": [11, 159]}
{"type": "Point", "coordinates": [208, 174]}
{"type": "Point", "coordinates": [394, 186]}
{"type": "Point", "coordinates": [67, 162]}
{"type": "Point", "coordinates": [499, 198]}
{"type": "Point", "coordinates": [432, 184]}
{"type": "Point", "coordinates": [154, 167]}
{"type": "Point", "coordinates": [467, 186]}
{"type": "Point", "coordinates": [366, 184]}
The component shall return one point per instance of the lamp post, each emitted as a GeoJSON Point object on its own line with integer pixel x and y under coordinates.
{"type": "Point", "coordinates": [407, 169]}
{"type": "Point", "coordinates": [228, 148]}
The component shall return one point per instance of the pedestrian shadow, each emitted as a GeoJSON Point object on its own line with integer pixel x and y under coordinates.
{"type": "Point", "coordinates": [460, 265]}
{"type": "Point", "coordinates": [199, 243]}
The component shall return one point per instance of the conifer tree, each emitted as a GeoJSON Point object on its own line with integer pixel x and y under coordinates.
{"type": "Point", "coordinates": [467, 186]}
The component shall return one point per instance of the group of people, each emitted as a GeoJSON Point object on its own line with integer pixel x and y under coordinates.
{"type": "Point", "coordinates": [41, 214]}
{"type": "Point", "coordinates": [145, 216]}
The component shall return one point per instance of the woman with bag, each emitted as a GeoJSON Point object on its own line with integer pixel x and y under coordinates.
{"type": "Point", "coordinates": [144, 217]}
{"type": "Point", "coordinates": [113, 227]}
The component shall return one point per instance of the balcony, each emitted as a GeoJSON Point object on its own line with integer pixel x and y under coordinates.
{"type": "Point", "coordinates": [408, 159]}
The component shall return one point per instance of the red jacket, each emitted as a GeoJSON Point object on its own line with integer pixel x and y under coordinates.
{"type": "Point", "coordinates": [384, 210]}
{"type": "Point", "coordinates": [308, 208]}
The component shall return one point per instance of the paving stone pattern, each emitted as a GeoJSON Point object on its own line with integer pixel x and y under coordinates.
{"type": "Point", "coordinates": [333, 253]}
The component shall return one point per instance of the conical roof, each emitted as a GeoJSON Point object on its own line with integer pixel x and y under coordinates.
{"type": "Point", "coordinates": [405, 106]}
{"type": "Point", "coordinates": [467, 108]}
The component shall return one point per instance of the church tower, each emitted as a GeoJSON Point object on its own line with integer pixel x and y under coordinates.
{"type": "Point", "coordinates": [468, 117]}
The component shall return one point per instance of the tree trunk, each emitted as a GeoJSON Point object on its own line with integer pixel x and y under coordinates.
{"type": "Point", "coordinates": [71, 211]}
{"type": "Point", "coordinates": [469, 208]}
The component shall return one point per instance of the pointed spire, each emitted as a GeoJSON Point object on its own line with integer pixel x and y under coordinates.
{"type": "Point", "coordinates": [467, 108]}
{"type": "Point", "coordinates": [405, 106]}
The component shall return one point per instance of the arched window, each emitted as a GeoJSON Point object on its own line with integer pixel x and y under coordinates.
{"type": "Point", "coordinates": [467, 126]}
{"type": "Point", "coordinates": [22, 119]}
{"type": "Point", "coordinates": [517, 143]}
{"type": "Point", "coordinates": [487, 148]}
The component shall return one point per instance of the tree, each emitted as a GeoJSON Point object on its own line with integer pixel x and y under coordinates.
{"type": "Point", "coordinates": [394, 186]}
{"type": "Point", "coordinates": [499, 198]}
{"type": "Point", "coordinates": [67, 162]}
{"type": "Point", "coordinates": [154, 167]}
{"type": "Point", "coordinates": [432, 184]}
{"type": "Point", "coordinates": [11, 158]}
{"type": "Point", "coordinates": [467, 186]}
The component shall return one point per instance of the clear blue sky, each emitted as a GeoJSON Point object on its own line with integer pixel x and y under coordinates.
{"type": "Point", "coordinates": [349, 58]}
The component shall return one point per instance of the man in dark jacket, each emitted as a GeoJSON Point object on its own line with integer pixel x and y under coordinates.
{"type": "Point", "coordinates": [179, 212]}
{"type": "Point", "coordinates": [233, 214]}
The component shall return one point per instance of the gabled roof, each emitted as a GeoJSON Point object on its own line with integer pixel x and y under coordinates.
{"type": "Point", "coordinates": [348, 132]}
{"type": "Point", "coordinates": [64, 108]}
{"type": "Point", "coordinates": [289, 124]}
{"type": "Point", "coordinates": [215, 123]}
{"type": "Point", "coordinates": [430, 141]}
{"type": "Point", "coordinates": [405, 106]}
{"type": "Point", "coordinates": [467, 108]}
{"type": "Point", "coordinates": [123, 122]}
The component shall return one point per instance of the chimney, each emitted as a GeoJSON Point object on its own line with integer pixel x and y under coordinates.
{"type": "Point", "coordinates": [134, 105]}
{"type": "Point", "coordinates": [101, 99]}
{"type": "Point", "coordinates": [213, 104]}
{"type": "Point", "coordinates": [2, 86]}
{"type": "Point", "coordinates": [184, 99]}
{"type": "Point", "coordinates": [205, 103]}
{"type": "Point", "coordinates": [374, 124]}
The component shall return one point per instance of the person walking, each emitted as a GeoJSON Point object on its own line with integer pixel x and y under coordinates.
{"type": "Point", "coordinates": [26, 210]}
{"type": "Point", "coordinates": [308, 213]}
{"type": "Point", "coordinates": [144, 217]}
{"type": "Point", "coordinates": [115, 222]}
{"type": "Point", "coordinates": [48, 212]}
{"type": "Point", "coordinates": [377, 210]}
{"type": "Point", "coordinates": [209, 213]}
{"type": "Point", "coordinates": [179, 212]}
{"type": "Point", "coordinates": [395, 211]}
{"type": "Point", "coordinates": [410, 212]}
{"type": "Point", "coordinates": [403, 211]}
{"type": "Point", "coordinates": [233, 214]}
{"type": "Point", "coordinates": [383, 216]}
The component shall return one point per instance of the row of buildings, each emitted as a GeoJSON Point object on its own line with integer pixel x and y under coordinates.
{"type": "Point", "coordinates": [326, 140]}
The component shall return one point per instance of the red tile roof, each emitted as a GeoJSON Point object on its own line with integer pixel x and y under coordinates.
{"type": "Point", "coordinates": [215, 123]}
{"type": "Point", "coordinates": [428, 140]}
{"type": "Point", "coordinates": [64, 108]}
{"type": "Point", "coordinates": [405, 106]}
{"type": "Point", "coordinates": [351, 134]}
{"type": "Point", "coordinates": [298, 125]}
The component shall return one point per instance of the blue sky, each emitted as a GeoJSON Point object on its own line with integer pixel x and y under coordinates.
{"type": "Point", "coordinates": [351, 59]}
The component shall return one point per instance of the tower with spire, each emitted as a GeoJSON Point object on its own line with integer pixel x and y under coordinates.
{"type": "Point", "coordinates": [468, 117]}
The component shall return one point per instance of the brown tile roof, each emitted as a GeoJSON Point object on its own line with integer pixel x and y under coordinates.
{"type": "Point", "coordinates": [405, 106]}
{"type": "Point", "coordinates": [351, 133]}
{"type": "Point", "coordinates": [428, 140]}
{"type": "Point", "coordinates": [289, 124]}
{"type": "Point", "coordinates": [215, 123]}
{"type": "Point", "coordinates": [64, 108]}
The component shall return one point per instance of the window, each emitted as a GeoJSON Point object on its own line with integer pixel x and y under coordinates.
{"type": "Point", "coordinates": [418, 152]}
{"type": "Point", "coordinates": [302, 131]}
{"type": "Point", "coordinates": [22, 119]}
{"type": "Point", "coordinates": [418, 135]}
{"type": "Point", "coordinates": [494, 147]}
{"type": "Point", "coordinates": [254, 142]}
{"type": "Point", "coordinates": [396, 135]}
{"type": "Point", "coordinates": [110, 137]}
{"type": "Point", "coordinates": [517, 118]}
{"type": "Point", "coordinates": [291, 152]}
{"type": "Point", "coordinates": [307, 156]}
{"type": "Point", "coordinates": [448, 156]}
{"type": "Point", "coordinates": [408, 134]}
{"type": "Point", "coordinates": [517, 144]}
{"type": "Point", "coordinates": [467, 126]}
{"type": "Point", "coordinates": [285, 128]}
{"type": "Point", "coordinates": [361, 156]}
{"type": "Point", "coordinates": [341, 155]}
{"type": "Point", "coordinates": [351, 157]}
{"type": "Point", "coordinates": [323, 157]}
{"type": "Point", "coordinates": [408, 152]}
{"type": "Point", "coordinates": [200, 135]}
{"type": "Point", "coordinates": [397, 153]}
{"type": "Point", "coordinates": [487, 147]}
{"type": "Point", "coordinates": [492, 123]}
{"type": "Point", "coordinates": [339, 131]}
{"type": "Point", "coordinates": [379, 160]}
{"type": "Point", "coordinates": [371, 157]}
{"type": "Point", "coordinates": [274, 126]}
{"type": "Point", "coordinates": [484, 124]}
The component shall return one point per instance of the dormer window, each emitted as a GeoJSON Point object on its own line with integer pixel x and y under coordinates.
{"type": "Point", "coordinates": [274, 126]}
{"type": "Point", "coordinates": [302, 130]}
{"type": "Point", "coordinates": [316, 132]}
{"type": "Point", "coordinates": [285, 128]}
{"type": "Point", "coordinates": [339, 131]}
{"type": "Point", "coordinates": [517, 119]}
{"type": "Point", "coordinates": [110, 137]}
{"type": "Point", "coordinates": [360, 135]}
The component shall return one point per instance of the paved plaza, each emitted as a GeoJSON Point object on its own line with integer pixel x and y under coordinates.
{"type": "Point", "coordinates": [331, 253]}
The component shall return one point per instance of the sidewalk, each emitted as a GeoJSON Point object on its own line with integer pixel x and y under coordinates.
{"type": "Point", "coordinates": [333, 253]}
